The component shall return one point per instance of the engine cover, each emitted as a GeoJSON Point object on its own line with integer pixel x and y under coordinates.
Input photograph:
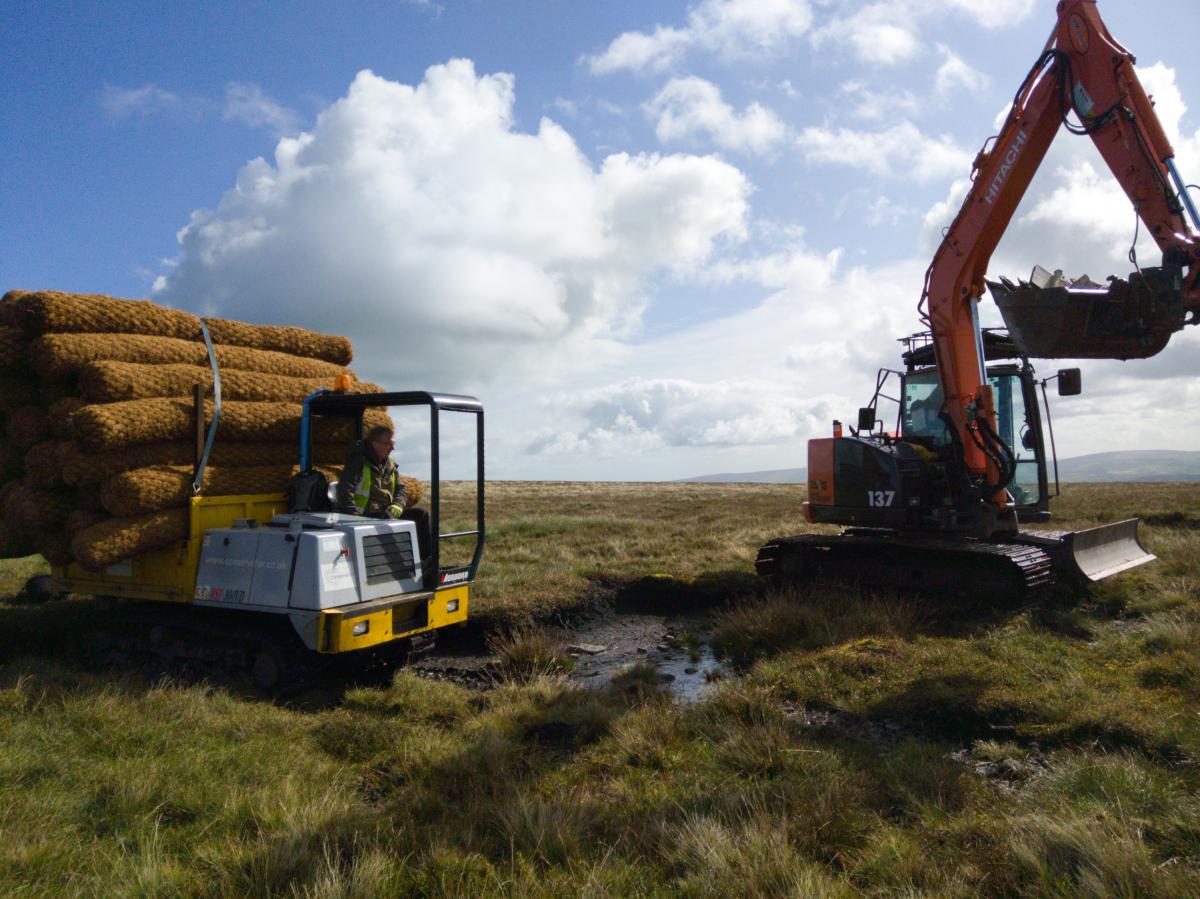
{"type": "Point", "coordinates": [310, 561]}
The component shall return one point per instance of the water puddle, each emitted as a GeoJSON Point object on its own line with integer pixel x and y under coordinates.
{"type": "Point", "coordinates": [677, 646]}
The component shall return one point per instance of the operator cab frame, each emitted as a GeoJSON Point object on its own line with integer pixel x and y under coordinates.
{"type": "Point", "coordinates": [354, 405]}
{"type": "Point", "coordinates": [1018, 412]}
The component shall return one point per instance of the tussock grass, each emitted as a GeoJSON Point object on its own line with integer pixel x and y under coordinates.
{"type": "Point", "coordinates": [529, 653]}
{"type": "Point", "coordinates": [810, 617]}
{"type": "Point", "coordinates": [869, 744]}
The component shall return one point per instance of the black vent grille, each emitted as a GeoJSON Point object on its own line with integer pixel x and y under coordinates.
{"type": "Point", "coordinates": [388, 557]}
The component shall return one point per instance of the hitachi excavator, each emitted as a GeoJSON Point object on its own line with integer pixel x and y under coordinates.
{"type": "Point", "coordinates": [938, 502]}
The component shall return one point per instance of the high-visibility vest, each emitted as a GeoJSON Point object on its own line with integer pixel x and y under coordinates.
{"type": "Point", "coordinates": [363, 494]}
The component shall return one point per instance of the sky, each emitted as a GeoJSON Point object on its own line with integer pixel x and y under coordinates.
{"type": "Point", "coordinates": [657, 240]}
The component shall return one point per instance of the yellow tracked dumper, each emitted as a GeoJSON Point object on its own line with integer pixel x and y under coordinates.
{"type": "Point", "coordinates": [263, 581]}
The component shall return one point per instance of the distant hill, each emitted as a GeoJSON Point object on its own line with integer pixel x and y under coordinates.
{"type": "Point", "coordinates": [1132, 465]}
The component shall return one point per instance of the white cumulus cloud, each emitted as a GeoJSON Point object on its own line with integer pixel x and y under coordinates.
{"type": "Point", "coordinates": [120, 102]}
{"type": "Point", "coordinates": [901, 149]}
{"type": "Point", "coordinates": [956, 73]}
{"type": "Point", "coordinates": [688, 108]}
{"type": "Point", "coordinates": [449, 245]}
{"type": "Point", "coordinates": [246, 103]}
{"type": "Point", "coordinates": [878, 34]}
{"type": "Point", "coordinates": [731, 29]}
{"type": "Point", "coordinates": [640, 414]}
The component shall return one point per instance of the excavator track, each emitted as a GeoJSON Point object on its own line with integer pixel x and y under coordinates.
{"type": "Point", "coordinates": [874, 558]}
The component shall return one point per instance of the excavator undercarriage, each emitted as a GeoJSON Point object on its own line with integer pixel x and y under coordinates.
{"type": "Point", "coordinates": [929, 563]}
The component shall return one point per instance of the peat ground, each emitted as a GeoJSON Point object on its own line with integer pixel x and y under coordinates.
{"type": "Point", "coordinates": [862, 743]}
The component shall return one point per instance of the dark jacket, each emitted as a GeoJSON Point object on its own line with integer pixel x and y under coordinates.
{"type": "Point", "coordinates": [386, 487]}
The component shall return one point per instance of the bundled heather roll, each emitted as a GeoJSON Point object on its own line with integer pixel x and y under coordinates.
{"type": "Point", "coordinates": [12, 347]}
{"type": "Point", "coordinates": [17, 390]}
{"type": "Point", "coordinates": [12, 464]}
{"type": "Point", "coordinates": [82, 518]}
{"type": "Point", "coordinates": [111, 541]}
{"type": "Point", "coordinates": [108, 382]}
{"type": "Point", "coordinates": [42, 463]}
{"type": "Point", "coordinates": [14, 542]}
{"type": "Point", "coordinates": [32, 509]}
{"type": "Point", "coordinates": [61, 356]}
{"type": "Point", "coordinates": [26, 426]}
{"type": "Point", "coordinates": [283, 339]}
{"type": "Point", "coordinates": [412, 489]}
{"type": "Point", "coordinates": [170, 486]}
{"type": "Point", "coordinates": [54, 545]}
{"type": "Point", "coordinates": [50, 392]}
{"type": "Point", "coordinates": [59, 415]}
{"type": "Point", "coordinates": [50, 311]}
{"type": "Point", "coordinates": [113, 425]}
{"type": "Point", "coordinates": [10, 308]}
{"type": "Point", "coordinates": [80, 466]}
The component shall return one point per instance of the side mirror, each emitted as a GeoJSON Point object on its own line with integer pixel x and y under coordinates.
{"type": "Point", "coordinates": [866, 419]}
{"type": "Point", "coordinates": [1070, 382]}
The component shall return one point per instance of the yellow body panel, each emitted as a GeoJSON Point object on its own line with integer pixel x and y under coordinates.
{"type": "Point", "coordinates": [169, 574]}
{"type": "Point", "coordinates": [336, 633]}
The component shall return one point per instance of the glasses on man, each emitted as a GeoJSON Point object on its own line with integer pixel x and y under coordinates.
{"type": "Point", "coordinates": [385, 442]}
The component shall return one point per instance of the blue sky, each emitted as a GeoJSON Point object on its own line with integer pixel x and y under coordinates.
{"type": "Point", "coordinates": [657, 239]}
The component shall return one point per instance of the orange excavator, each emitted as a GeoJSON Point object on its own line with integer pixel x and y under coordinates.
{"type": "Point", "coordinates": [938, 502]}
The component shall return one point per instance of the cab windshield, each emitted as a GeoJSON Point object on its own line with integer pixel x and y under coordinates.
{"type": "Point", "coordinates": [923, 402]}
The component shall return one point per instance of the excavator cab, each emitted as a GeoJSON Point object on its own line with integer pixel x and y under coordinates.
{"type": "Point", "coordinates": [1019, 423]}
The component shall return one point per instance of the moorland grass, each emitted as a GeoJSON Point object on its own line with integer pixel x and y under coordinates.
{"type": "Point", "coordinates": [866, 744]}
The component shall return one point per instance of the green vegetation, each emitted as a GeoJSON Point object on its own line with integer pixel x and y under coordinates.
{"type": "Point", "coordinates": [867, 743]}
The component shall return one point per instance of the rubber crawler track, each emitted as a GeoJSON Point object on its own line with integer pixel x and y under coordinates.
{"type": "Point", "coordinates": [928, 564]}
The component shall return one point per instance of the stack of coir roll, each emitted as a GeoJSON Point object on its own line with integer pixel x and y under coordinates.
{"type": "Point", "coordinates": [98, 444]}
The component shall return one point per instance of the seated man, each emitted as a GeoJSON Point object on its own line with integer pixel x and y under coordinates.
{"type": "Point", "coordinates": [370, 485]}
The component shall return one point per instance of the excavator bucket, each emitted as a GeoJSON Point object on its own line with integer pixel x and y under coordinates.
{"type": "Point", "coordinates": [1131, 319]}
{"type": "Point", "coordinates": [1096, 553]}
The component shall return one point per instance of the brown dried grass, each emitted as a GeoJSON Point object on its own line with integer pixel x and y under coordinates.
{"type": "Point", "coordinates": [165, 487]}
{"type": "Point", "coordinates": [111, 541]}
{"type": "Point", "coordinates": [108, 381]}
{"type": "Point", "coordinates": [113, 425]}
{"type": "Point", "coordinates": [283, 339]}
{"type": "Point", "coordinates": [51, 311]}
{"type": "Point", "coordinates": [26, 426]}
{"type": "Point", "coordinates": [61, 356]}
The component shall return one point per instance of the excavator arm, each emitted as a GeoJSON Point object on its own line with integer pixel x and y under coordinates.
{"type": "Point", "coordinates": [1085, 71]}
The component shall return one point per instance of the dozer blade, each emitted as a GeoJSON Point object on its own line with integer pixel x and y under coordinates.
{"type": "Point", "coordinates": [1131, 319]}
{"type": "Point", "coordinates": [1101, 552]}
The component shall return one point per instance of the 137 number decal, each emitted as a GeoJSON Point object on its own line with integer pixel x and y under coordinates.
{"type": "Point", "coordinates": [880, 499]}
